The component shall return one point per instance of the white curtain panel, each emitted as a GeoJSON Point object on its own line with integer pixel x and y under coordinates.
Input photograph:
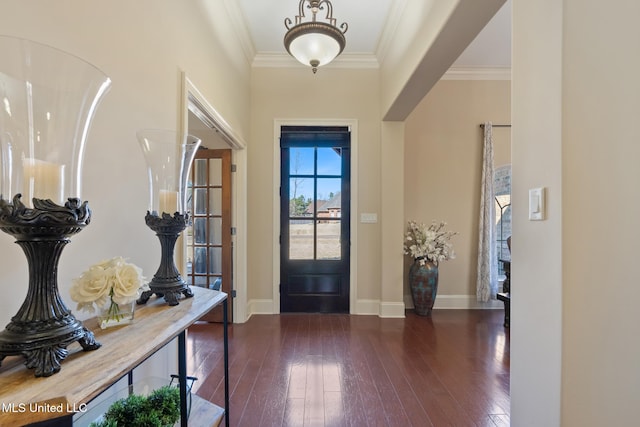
{"type": "Point", "coordinates": [487, 281]}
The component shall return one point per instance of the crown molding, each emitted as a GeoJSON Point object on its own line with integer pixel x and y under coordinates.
{"type": "Point", "coordinates": [367, 61]}
{"type": "Point", "coordinates": [284, 60]}
{"type": "Point", "coordinates": [477, 73]}
{"type": "Point", "coordinates": [390, 28]}
{"type": "Point", "coordinates": [239, 24]}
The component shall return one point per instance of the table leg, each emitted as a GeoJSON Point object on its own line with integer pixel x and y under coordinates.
{"type": "Point", "coordinates": [182, 378]}
{"type": "Point", "coordinates": [225, 322]}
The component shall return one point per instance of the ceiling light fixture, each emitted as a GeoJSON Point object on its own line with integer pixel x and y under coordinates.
{"type": "Point", "coordinates": [314, 43]}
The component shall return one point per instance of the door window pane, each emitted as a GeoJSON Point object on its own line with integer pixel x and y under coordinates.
{"type": "Point", "coordinates": [200, 260]}
{"type": "Point", "coordinates": [215, 201]}
{"type": "Point", "coordinates": [329, 200]}
{"type": "Point", "coordinates": [301, 236]}
{"type": "Point", "coordinates": [328, 245]}
{"type": "Point", "coordinates": [200, 230]}
{"type": "Point", "coordinates": [215, 231]}
{"type": "Point", "coordinates": [201, 281]}
{"type": "Point", "coordinates": [200, 171]}
{"type": "Point", "coordinates": [301, 161]}
{"type": "Point", "coordinates": [300, 196]}
{"type": "Point", "coordinates": [215, 261]}
{"type": "Point", "coordinates": [200, 201]}
{"type": "Point", "coordinates": [329, 161]}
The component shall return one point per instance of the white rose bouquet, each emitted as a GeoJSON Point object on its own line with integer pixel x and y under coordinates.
{"type": "Point", "coordinates": [113, 281]}
{"type": "Point", "coordinates": [430, 243]}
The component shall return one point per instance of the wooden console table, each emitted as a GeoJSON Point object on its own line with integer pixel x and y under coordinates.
{"type": "Point", "coordinates": [25, 399]}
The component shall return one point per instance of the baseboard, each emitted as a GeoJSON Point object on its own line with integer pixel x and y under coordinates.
{"type": "Point", "coordinates": [459, 302]}
{"type": "Point", "coordinates": [367, 307]}
{"type": "Point", "coordinates": [392, 309]}
{"type": "Point", "coordinates": [259, 306]}
{"type": "Point", "coordinates": [363, 307]}
{"type": "Point", "coordinates": [374, 307]}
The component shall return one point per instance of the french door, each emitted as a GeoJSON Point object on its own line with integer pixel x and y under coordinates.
{"type": "Point", "coordinates": [209, 248]}
{"type": "Point", "coordinates": [314, 219]}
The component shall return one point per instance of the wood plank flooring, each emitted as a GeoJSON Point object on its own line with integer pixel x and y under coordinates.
{"type": "Point", "coordinates": [338, 370]}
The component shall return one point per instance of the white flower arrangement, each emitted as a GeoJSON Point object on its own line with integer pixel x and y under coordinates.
{"type": "Point", "coordinates": [114, 280]}
{"type": "Point", "coordinates": [430, 243]}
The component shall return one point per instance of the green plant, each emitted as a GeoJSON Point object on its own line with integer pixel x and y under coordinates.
{"type": "Point", "coordinates": [167, 402]}
{"type": "Point", "coordinates": [160, 409]}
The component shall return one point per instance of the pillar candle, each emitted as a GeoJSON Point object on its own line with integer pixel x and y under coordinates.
{"type": "Point", "coordinates": [43, 180]}
{"type": "Point", "coordinates": [168, 201]}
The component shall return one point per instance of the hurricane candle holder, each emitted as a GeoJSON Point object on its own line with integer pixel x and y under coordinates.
{"type": "Point", "coordinates": [169, 156]}
{"type": "Point", "coordinates": [48, 99]}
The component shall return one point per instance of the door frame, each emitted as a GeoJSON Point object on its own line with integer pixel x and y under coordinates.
{"type": "Point", "coordinates": [192, 99]}
{"type": "Point", "coordinates": [352, 124]}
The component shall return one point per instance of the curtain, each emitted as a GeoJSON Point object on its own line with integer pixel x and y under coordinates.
{"type": "Point", "coordinates": [487, 279]}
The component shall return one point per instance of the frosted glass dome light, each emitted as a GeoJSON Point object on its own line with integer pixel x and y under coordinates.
{"type": "Point", "coordinates": [311, 42]}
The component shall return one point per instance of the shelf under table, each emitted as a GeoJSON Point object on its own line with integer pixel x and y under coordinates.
{"type": "Point", "coordinates": [84, 375]}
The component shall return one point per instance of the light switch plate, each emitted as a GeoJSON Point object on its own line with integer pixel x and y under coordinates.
{"type": "Point", "coordinates": [536, 204]}
{"type": "Point", "coordinates": [368, 218]}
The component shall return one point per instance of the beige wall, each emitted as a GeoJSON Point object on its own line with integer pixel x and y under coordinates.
{"type": "Point", "coordinates": [575, 103]}
{"type": "Point", "coordinates": [536, 251]}
{"type": "Point", "coordinates": [443, 165]}
{"type": "Point", "coordinates": [576, 98]}
{"type": "Point", "coordinates": [143, 46]}
{"type": "Point", "coordinates": [392, 214]}
{"type": "Point", "coordinates": [297, 94]}
{"type": "Point", "coordinates": [600, 156]}
{"type": "Point", "coordinates": [428, 36]}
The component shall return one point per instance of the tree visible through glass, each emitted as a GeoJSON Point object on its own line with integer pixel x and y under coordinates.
{"type": "Point", "coordinates": [315, 180]}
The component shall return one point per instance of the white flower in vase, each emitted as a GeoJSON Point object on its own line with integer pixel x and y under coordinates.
{"type": "Point", "coordinates": [430, 243]}
{"type": "Point", "coordinates": [109, 286]}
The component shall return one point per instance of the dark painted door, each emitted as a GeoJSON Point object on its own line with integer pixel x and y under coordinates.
{"type": "Point", "coordinates": [314, 219]}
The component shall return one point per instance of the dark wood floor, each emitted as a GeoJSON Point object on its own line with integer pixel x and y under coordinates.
{"type": "Point", "coordinates": [338, 370]}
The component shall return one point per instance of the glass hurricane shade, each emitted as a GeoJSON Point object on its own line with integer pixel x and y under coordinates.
{"type": "Point", "coordinates": [169, 155]}
{"type": "Point", "coordinates": [47, 100]}
{"type": "Point", "coordinates": [314, 44]}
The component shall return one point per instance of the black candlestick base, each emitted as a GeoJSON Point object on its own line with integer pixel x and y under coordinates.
{"type": "Point", "coordinates": [167, 282]}
{"type": "Point", "coordinates": [43, 327]}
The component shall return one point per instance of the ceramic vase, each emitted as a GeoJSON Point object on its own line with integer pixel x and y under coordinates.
{"type": "Point", "coordinates": [423, 280]}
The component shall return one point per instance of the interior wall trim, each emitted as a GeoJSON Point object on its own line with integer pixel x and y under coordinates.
{"type": "Point", "coordinates": [459, 302]}
{"type": "Point", "coordinates": [345, 60]}
{"type": "Point", "coordinates": [195, 102]}
{"type": "Point", "coordinates": [394, 310]}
